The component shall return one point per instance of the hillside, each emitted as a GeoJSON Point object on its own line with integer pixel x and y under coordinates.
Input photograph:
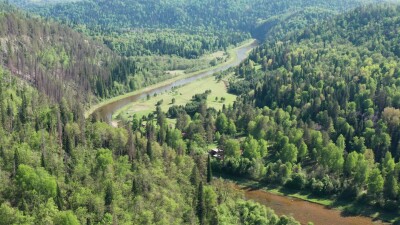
{"type": "Point", "coordinates": [133, 28]}
{"type": "Point", "coordinates": [55, 58]}
{"type": "Point", "coordinates": [30, 3]}
{"type": "Point", "coordinates": [317, 114]}
{"type": "Point", "coordinates": [237, 15]}
{"type": "Point", "coordinates": [57, 168]}
{"type": "Point", "coordinates": [191, 31]}
{"type": "Point", "coordinates": [327, 100]}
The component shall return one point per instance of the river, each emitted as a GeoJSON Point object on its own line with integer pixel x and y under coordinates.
{"type": "Point", "coordinates": [106, 111]}
{"type": "Point", "coordinates": [304, 211]}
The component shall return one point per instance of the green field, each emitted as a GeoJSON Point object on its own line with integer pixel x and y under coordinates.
{"type": "Point", "coordinates": [182, 96]}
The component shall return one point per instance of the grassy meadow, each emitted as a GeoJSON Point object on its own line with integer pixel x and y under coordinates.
{"type": "Point", "coordinates": [182, 95]}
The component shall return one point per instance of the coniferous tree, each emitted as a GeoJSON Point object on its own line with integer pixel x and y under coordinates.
{"type": "Point", "coordinates": [42, 160]}
{"type": "Point", "coordinates": [109, 196]}
{"type": "Point", "coordinates": [149, 149]}
{"type": "Point", "coordinates": [131, 148]}
{"type": "Point", "coordinates": [59, 199]}
{"type": "Point", "coordinates": [200, 204]}
{"type": "Point", "coordinates": [135, 123]}
{"type": "Point", "coordinates": [195, 176]}
{"type": "Point", "coordinates": [209, 171]}
{"type": "Point", "coordinates": [16, 161]}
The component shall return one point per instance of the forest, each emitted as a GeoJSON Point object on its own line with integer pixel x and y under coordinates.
{"type": "Point", "coordinates": [58, 168]}
{"type": "Point", "coordinates": [231, 21]}
{"type": "Point", "coordinates": [60, 61]}
{"type": "Point", "coordinates": [187, 14]}
{"type": "Point", "coordinates": [99, 46]}
{"type": "Point", "coordinates": [317, 110]}
{"type": "Point", "coordinates": [327, 104]}
{"type": "Point", "coordinates": [56, 59]}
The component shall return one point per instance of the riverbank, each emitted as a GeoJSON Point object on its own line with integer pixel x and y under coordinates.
{"type": "Point", "coordinates": [232, 58]}
{"type": "Point", "coordinates": [305, 207]}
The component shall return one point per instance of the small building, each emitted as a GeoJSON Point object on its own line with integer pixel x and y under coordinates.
{"type": "Point", "coordinates": [217, 153]}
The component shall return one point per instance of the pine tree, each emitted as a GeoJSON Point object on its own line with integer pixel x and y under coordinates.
{"type": "Point", "coordinates": [200, 204]}
{"type": "Point", "coordinates": [391, 188]}
{"type": "Point", "coordinates": [209, 171]}
{"type": "Point", "coordinates": [59, 199]}
{"type": "Point", "coordinates": [109, 197]}
{"type": "Point", "coordinates": [195, 176]}
{"type": "Point", "coordinates": [23, 113]}
{"type": "Point", "coordinates": [16, 161]}
{"type": "Point", "coordinates": [131, 149]}
{"type": "Point", "coordinates": [149, 149]}
{"type": "Point", "coordinates": [42, 161]}
{"type": "Point", "coordinates": [135, 187]}
{"type": "Point", "coordinates": [135, 123]}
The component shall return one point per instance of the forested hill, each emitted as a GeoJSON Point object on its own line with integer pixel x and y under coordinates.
{"type": "Point", "coordinates": [55, 58]}
{"type": "Point", "coordinates": [376, 29]}
{"type": "Point", "coordinates": [330, 105]}
{"type": "Point", "coordinates": [243, 15]}
{"type": "Point", "coordinates": [57, 168]}
{"type": "Point", "coordinates": [29, 3]}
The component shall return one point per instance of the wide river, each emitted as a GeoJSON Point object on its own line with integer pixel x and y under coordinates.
{"type": "Point", "coordinates": [301, 210]}
{"type": "Point", "coordinates": [105, 112]}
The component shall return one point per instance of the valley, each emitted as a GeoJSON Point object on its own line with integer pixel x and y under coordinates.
{"type": "Point", "coordinates": [109, 107]}
{"type": "Point", "coordinates": [244, 112]}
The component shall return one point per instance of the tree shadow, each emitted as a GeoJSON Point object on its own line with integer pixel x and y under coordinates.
{"type": "Point", "coordinates": [354, 208]}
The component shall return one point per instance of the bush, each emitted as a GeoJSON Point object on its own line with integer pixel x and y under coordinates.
{"type": "Point", "coordinates": [257, 170]}
{"type": "Point", "coordinates": [66, 218]}
{"type": "Point", "coordinates": [174, 111]}
{"type": "Point", "coordinates": [297, 181]}
{"type": "Point", "coordinates": [231, 165]}
{"type": "Point", "coordinates": [349, 191]}
{"type": "Point", "coordinates": [317, 187]}
{"type": "Point", "coordinates": [160, 102]}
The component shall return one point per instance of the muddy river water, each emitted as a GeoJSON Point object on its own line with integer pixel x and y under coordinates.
{"type": "Point", "coordinates": [304, 211]}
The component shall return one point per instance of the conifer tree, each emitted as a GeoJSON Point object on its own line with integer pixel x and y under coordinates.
{"type": "Point", "coordinates": [200, 204]}
{"type": "Point", "coordinates": [209, 171]}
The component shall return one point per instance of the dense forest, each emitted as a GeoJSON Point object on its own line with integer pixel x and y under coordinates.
{"type": "Point", "coordinates": [101, 59]}
{"type": "Point", "coordinates": [318, 111]}
{"type": "Point", "coordinates": [62, 62]}
{"type": "Point", "coordinates": [58, 168]}
{"type": "Point", "coordinates": [56, 59]}
{"type": "Point", "coordinates": [231, 21]}
{"type": "Point", "coordinates": [189, 45]}
{"type": "Point", "coordinates": [226, 15]}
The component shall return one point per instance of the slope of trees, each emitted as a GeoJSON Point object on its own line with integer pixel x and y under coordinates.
{"type": "Point", "coordinates": [317, 111]}
{"type": "Point", "coordinates": [62, 62]}
{"type": "Point", "coordinates": [327, 101]}
{"type": "Point", "coordinates": [190, 45]}
{"type": "Point", "coordinates": [205, 25]}
{"type": "Point", "coordinates": [57, 168]}
{"type": "Point", "coordinates": [236, 15]}
{"type": "Point", "coordinates": [56, 59]}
